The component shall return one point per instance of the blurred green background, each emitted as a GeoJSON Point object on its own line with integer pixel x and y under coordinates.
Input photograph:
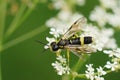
{"type": "Point", "coordinates": [22, 58]}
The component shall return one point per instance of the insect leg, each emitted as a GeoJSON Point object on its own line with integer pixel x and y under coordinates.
{"type": "Point", "coordinates": [68, 55]}
{"type": "Point", "coordinates": [58, 53]}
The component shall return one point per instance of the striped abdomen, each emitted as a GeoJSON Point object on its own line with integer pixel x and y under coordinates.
{"type": "Point", "coordinates": [81, 40]}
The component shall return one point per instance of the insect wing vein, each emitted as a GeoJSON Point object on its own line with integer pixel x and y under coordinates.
{"type": "Point", "coordinates": [75, 49]}
{"type": "Point", "coordinates": [76, 26]}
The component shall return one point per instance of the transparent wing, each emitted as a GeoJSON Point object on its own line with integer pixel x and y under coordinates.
{"type": "Point", "coordinates": [74, 49]}
{"type": "Point", "coordinates": [75, 27]}
{"type": "Point", "coordinates": [78, 50]}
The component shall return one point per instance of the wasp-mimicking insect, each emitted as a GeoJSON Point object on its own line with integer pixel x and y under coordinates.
{"type": "Point", "coordinates": [71, 41]}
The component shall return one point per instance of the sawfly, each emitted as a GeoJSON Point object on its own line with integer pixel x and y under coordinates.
{"type": "Point", "coordinates": [71, 41]}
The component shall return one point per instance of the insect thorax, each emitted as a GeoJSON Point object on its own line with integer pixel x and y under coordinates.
{"type": "Point", "coordinates": [63, 42]}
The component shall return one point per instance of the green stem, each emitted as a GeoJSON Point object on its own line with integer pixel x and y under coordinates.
{"type": "Point", "coordinates": [15, 21]}
{"type": "Point", "coordinates": [80, 76]}
{"type": "Point", "coordinates": [0, 66]}
{"type": "Point", "coordinates": [70, 3]}
{"type": "Point", "coordinates": [80, 63]}
{"type": "Point", "coordinates": [3, 5]}
{"type": "Point", "coordinates": [25, 16]}
{"type": "Point", "coordinates": [24, 37]}
{"type": "Point", "coordinates": [109, 71]}
{"type": "Point", "coordinates": [20, 18]}
{"type": "Point", "coordinates": [83, 75]}
{"type": "Point", "coordinates": [77, 67]}
{"type": "Point", "coordinates": [83, 58]}
{"type": "Point", "coordinates": [73, 78]}
{"type": "Point", "coordinates": [27, 13]}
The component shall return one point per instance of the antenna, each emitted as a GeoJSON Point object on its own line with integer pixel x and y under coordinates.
{"type": "Point", "coordinates": [44, 50]}
{"type": "Point", "coordinates": [40, 42]}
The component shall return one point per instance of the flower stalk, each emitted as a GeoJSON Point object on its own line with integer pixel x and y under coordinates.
{"type": "Point", "coordinates": [20, 17]}
{"type": "Point", "coordinates": [3, 7]}
{"type": "Point", "coordinates": [14, 23]}
{"type": "Point", "coordinates": [83, 58]}
{"type": "Point", "coordinates": [24, 37]}
{"type": "Point", "coordinates": [84, 75]}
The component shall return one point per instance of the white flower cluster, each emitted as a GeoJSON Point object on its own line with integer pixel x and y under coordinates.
{"type": "Point", "coordinates": [62, 22]}
{"type": "Point", "coordinates": [102, 38]}
{"type": "Point", "coordinates": [60, 4]}
{"type": "Point", "coordinates": [80, 2]}
{"type": "Point", "coordinates": [102, 16]}
{"type": "Point", "coordinates": [60, 25]}
{"type": "Point", "coordinates": [114, 64]}
{"type": "Point", "coordinates": [61, 65]}
{"type": "Point", "coordinates": [90, 73]}
{"type": "Point", "coordinates": [100, 41]}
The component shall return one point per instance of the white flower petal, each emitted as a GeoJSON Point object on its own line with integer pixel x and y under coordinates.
{"type": "Point", "coordinates": [101, 71]}
{"type": "Point", "coordinates": [99, 78]}
{"type": "Point", "coordinates": [113, 66]}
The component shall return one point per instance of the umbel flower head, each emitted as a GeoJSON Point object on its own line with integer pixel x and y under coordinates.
{"type": "Point", "coordinates": [100, 41]}
{"type": "Point", "coordinates": [60, 4]}
{"type": "Point", "coordinates": [60, 25]}
{"type": "Point", "coordinates": [103, 39]}
{"type": "Point", "coordinates": [61, 65]}
{"type": "Point", "coordinates": [101, 16]}
{"type": "Point", "coordinates": [114, 64]}
{"type": "Point", "coordinates": [92, 75]}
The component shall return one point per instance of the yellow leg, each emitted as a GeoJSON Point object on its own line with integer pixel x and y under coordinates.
{"type": "Point", "coordinates": [68, 55]}
{"type": "Point", "coordinates": [57, 53]}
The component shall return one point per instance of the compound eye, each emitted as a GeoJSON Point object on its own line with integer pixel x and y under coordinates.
{"type": "Point", "coordinates": [54, 46]}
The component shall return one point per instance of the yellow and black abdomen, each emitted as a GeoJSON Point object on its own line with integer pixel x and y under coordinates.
{"type": "Point", "coordinates": [88, 40]}
{"type": "Point", "coordinates": [81, 40]}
